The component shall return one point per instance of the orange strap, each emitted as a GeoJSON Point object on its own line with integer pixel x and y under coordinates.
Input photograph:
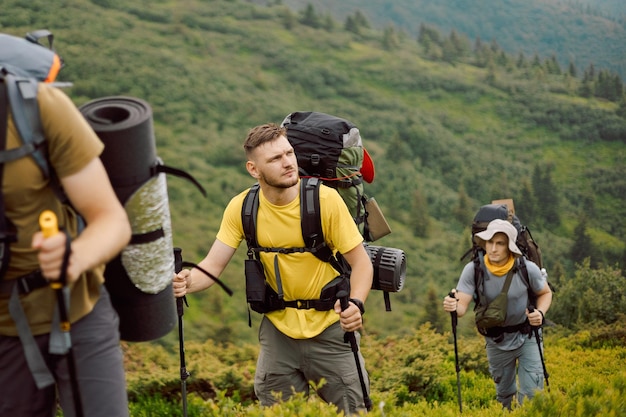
{"type": "Point", "coordinates": [54, 69]}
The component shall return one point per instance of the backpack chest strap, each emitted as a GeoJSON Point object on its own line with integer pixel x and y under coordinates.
{"type": "Point", "coordinates": [319, 305]}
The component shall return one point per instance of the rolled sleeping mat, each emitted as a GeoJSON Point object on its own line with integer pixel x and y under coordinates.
{"type": "Point", "coordinates": [389, 268]}
{"type": "Point", "coordinates": [140, 277]}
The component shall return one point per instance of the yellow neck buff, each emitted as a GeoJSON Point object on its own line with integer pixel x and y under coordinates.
{"type": "Point", "coordinates": [502, 269]}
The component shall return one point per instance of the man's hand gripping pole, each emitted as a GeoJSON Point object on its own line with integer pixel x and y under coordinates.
{"type": "Point", "coordinates": [49, 227]}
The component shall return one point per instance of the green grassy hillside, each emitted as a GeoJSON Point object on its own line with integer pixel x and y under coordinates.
{"type": "Point", "coordinates": [447, 134]}
{"type": "Point", "coordinates": [410, 376]}
{"type": "Point", "coordinates": [450, 128]}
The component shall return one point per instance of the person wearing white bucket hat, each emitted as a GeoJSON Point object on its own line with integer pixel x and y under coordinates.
{"type": "Point", "coordinates": [501, 226]}
{"type": "Point", "coordinates": [510, 348]}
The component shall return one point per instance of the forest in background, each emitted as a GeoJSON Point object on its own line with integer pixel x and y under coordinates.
{"type": "Point", "coordinates": [451, 124]}
{"type": "Point", "coordinates": [581, 32]}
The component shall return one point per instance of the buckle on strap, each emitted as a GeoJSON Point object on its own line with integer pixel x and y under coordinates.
{"type": "Point", "coordinates": [25, 284]}
{"type": "Point", "coordinates": [319, 305]}
{"type": "Point", "coordinates": [300, 304]}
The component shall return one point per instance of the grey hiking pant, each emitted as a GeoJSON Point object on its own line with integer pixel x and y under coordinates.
{"type": "Point", "coordinates": [525, 361]}
{"type": "Point", "coordinates": [286, 365]}
{"type": "Point", "coordinates": [99, 367]}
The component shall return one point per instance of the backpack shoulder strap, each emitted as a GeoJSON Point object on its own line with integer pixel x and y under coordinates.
{"type": "Point", "coordinates": [310, 218]}
{"type": "Point", "coordinates": [4, 113]}
{"type": "Point", "coordinates": [311, 221]}
{"type": "Point", "coordinates": [22, 97]}
{"type": "Point", "coordinates": [309, 211]}
{"type": "Point", "coordinates": [479, 275]}
{"type": "Point", "coordinates": [248, 216]}
{"type": "Point", "coordinates": [521, 263]}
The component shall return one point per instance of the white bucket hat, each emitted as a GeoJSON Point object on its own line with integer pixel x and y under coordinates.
{"type": "Point", "coordinates": [501, 226]}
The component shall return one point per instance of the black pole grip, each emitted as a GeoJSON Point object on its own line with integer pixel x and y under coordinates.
{"type": "Point", "coordinates": [453, 314]}
{"type": "Point", "coordinates": [344, 299]}
{"type": "Point", "coordinates": [178, 266]}
{"type": "Point", "coordinates": [531, 309]}
{"type": "Point", "coordinates": [178, 260]}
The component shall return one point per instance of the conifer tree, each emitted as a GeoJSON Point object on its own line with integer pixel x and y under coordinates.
{"type": "Point", "coordinates": [556, 274]}
{"type": "Point", "coordinates": [621, 110]}
{"type": "Point", "coordinates": [463, 212]}
{"type": "Point", "coordinates": [521, 61]}
{"type": "Point", "coordinates": [328, 23]}
{"type": "Point", "coordinates": [582, 247]}
{"type": "Point", "coordinates": [526, 206]}
{"type": "Point", "coordinates": [434, 314]}
{"type": "Point", "coordinates": [357, 23]}
{"type": "Point", "coordinates": [546, 195]}
{"type": "Point", "coordinates": [420, 221]}
{"type": "Point", "coordinates": [350, 25]}
{"type": "Point", "coordinates": [572, 70]}
{"type": "Point", "coordinates": [309, 17]}
{"type": "Point", "coordinates": [390, 39]}
{"type": "Point", "coordinates": [289, 19]}
{"type": "Point", "coordinates": [361, 20]}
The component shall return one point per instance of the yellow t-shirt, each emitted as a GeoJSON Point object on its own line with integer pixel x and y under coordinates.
{"type": "Point", "coordinates": [302, 274]}
{"type": "Point", "coordinates": [72, 144]}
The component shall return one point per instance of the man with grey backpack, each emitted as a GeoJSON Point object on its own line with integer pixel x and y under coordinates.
{"type": "Point", "coordinates": [509, 324]}
{"type": "Point", "coordinates": [59, 336]}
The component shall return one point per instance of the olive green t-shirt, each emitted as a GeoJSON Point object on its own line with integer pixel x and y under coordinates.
{"type": "Point", "coordinates": [71, 144]}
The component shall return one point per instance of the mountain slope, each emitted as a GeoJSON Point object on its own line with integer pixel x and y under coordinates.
{"type": "Point", "coordinates": [580, 32]}
{"type": "Point", "coordinates": [213, 69]}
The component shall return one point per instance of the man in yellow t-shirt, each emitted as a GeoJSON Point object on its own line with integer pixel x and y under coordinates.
{"type": "Point", "coordinates": [297, 345]}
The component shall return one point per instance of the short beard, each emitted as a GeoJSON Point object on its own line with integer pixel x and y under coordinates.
{"type": "Point", "coordinates": [279, 184]}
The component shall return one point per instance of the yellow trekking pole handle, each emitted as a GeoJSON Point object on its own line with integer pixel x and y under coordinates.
{"type": "Point", "coordinates": [48, 223]}
{"type": "Point", "coordinates": [50, 227]}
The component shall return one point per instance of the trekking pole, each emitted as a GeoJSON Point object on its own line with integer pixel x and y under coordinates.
{"type": "Point", "coordinates": [49, 227]}
{"type": "Point", "coordinates": [538, 339]}
{"type": "Point", "coordinates": [350, 337]}
{"type": "Point", "coordinates": [454, 318]}
{"type": "Point", "coordinates": [178, 266]}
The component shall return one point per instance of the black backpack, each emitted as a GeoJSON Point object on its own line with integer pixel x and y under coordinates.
{"type": "Point", "coordinates": [330, 148]}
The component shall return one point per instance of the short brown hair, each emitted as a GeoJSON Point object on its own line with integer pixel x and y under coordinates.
{"type": "Point", "coordinates": [261, 134]}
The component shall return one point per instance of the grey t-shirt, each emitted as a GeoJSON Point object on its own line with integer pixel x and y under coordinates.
{"type": "Point", "coordinates": [517, 297]}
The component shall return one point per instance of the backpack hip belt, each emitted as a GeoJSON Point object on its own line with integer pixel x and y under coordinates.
{"type": "Point", "coordinates": [273, 302]}
{"type": "Point", "coordinates": [25, 284]}
{"type": "Point", "coordinates": [498, 331]}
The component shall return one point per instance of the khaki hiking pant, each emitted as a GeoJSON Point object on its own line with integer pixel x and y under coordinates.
{"type": "Point", "coordinates": [524, 361]}
{"type": "Point", "coordinates": [286, 365]}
